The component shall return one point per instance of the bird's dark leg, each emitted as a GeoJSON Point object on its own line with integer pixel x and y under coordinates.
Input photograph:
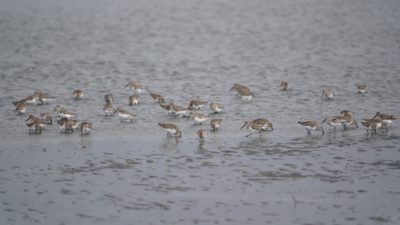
{"type": "Point", "coordinates": [250, 134]}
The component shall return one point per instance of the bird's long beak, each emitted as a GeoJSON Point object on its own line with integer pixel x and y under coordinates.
{"type": "Point", "coordinates": [245, 123]}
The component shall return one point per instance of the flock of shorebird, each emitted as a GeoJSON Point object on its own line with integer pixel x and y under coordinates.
{"type": "Point", "coordinates": [67, 124]}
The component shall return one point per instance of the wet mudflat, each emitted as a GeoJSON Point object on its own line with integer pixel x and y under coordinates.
{"type": "Point", "coordinates": [131, 173]}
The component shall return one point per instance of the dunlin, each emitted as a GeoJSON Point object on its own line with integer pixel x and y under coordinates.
{"type": "Point", "coordinates": [124, 114]}
{"type": "Point", "coordinates": [264, 122]}
{"type": "Point", "coordinates": [63, 113]}
{"type": "Point", "coordinates": [37, 120]}
{"type": "Point", "coordinates": [247, 96]}
{"type": "Point", "coordinates": [386, 118]}
{"type": "Point", "coordinates": [284, 86]}
{"type": "Point", "coordinates": [361, 88]}
{"type": "Point", "coordinates": [312, 125]}
{"type": "Point", "coordinates": [327, 93]}
{"type": "Point", "coordinates": [215, 124]}
{"type": "Point", "coordinates": [167, 107]}
{"type": "Point", "coordinates": [243, 91]}
{"type": "Point", "coordinates": [216, 107]}
{"type": "Point", "coordinates": [134, 99]}
{"type": "Point", "coordinates": [345, 119]}
{"type": "Point", "coordinates": [346, 113]}
{"type": "Point", "coordinates": [78, 94]}
{"type": "Point", "coordinates": [86, 126]}
{"type": "Point", "coordinates": [202, 134]}
{"type": "Point", "coordinates": [199, 118]}
{"type": "Point", "coordinates": [21, 107]}
{"type": "Point", "coordinates": [348, 120]}
{"type": "Point", "coordinates": [178, 110]}
{"type": "Point", "coordinates": [45, 98]}
{"type": "Point", "coordinates": [240, 88]}
{"type": "Point", "coordinates": [196, 104]}
{"type": "Point", "coordinates": [373, 124]}
{"type": "Point", "coordinates": [34, 128]}
{"type": "Point", "coordinates": [172, 129]}
{"type": "Point", "coordinates": [138, 88]}
{"type": "Point", "coordinates": [47, 118]}
{"type": "Point", "coordinates": [108, 109]}
{"type": "Point", "coordinates": [257, 126]}
{"type": "Point", "coordinates": [157, 98]}
{"type": "Point", "coordinates": [108, 98]}
{"type": "Point", "coordinates": [67, 125]}
{"type": "Point", "coordinates": [333, 121]}
{"type": "Point", "coordinates": [32, 99]}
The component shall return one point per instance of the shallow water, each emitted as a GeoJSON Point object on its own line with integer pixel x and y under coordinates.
{"type": "Point", "coordinates": [131, 173]}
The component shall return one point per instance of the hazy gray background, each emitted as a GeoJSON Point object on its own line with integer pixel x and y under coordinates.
{"type": "Point", "coordinates": [131, 174]}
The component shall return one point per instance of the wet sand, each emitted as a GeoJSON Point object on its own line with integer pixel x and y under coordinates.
{"type": "Point", "coordinates": [131, 173]}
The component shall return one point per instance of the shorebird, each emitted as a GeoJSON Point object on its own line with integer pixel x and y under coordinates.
{"type": "Point", "coordinates": [196, 104]}
{"type": "Point", "coordinates": [108, 109]}
{"type": "Point", "coordinates": [263, 121]}
{"type": "Point", "coordinates": [67, 125]}
{"type": "Point", "coordinates": [125, 115]}
{"type": "Point", "coordinates": [167, 107]}
{"type": "Point", "coordinates": [257, 126]}
{"type": "Point", "coordinates": [347, 119]}
{"type": "Point", "coordinates": [134, 100]}
{"type": "Point", "coordinates": [311, 125]}
{"type": "Point", "coordinates": [32, 99]}
{"type": "Point", "coordinates": [216, 107]}
{"type": "Point", "coordinates": [21, 107]}
{"type": "Point", "coordinates": [178, 110]}
{"type": "Point", "coordinates": [346, 113]}
{"type": "Point", "coordinates": [215, 124]}
{"type": "Point", "coordinates": [243, 91]}
{"type": "Point", "coordinates": [108, 98]}
{"type": "Point", "coordinates": [327, 93]}
{"type": "Point", "coordinates": [86, 126]}
{"type": "Point", "coordinates": [78, 94]}
{"type": "Point", "coordinates": [157, 98]}
{"type": "Point", "coordinates": [199, 118]}
{"type": "Point", "coordinates": [47, 118]}
{"type": "Point", "coordinates": [333, 121]}
{"type": "Point", "coordinates": [202, 134]}
{"type": "Point", "coordinates": [361, 88]}
{"type": "Point", "coordinates": [247, 96]}
{"type": "Point", "coordinates": [239, 87]}
{"type": "Point", "coordinates": [172, 129]}
{"type": "Point", "coordinates": [284, 86]}
{"type": "Point", "coordinates": [45, 98]}
{"type": "Point", "coordinates": [37, 120]}
{"type": "Point", "coordinates": [373, 124]}
{"type": "Point", "coordinates": [138, 88]}
{"type": "Point", "coordinates": [386, 118]}
{"type": "Point", "coordinates": [34, 128]}
{"type": "Point", "coordinates": [63, 113]}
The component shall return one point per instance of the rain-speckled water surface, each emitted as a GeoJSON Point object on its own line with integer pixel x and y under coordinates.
{"type": "Point", "coordinates": [132, 173]}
